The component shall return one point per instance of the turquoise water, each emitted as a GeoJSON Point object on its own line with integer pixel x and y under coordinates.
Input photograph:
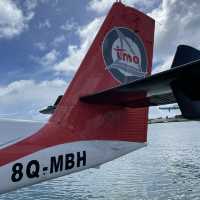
{"type": "Point", "coordinates": [168, 168]}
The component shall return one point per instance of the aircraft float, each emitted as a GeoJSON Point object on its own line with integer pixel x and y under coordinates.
{"type": "Point", "coordinates": [104, 111]}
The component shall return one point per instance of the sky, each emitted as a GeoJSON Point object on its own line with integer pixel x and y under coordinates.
{"type": "Point", "coordinates": [42, 43]}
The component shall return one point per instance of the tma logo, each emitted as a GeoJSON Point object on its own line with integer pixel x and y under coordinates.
{"type": "Point", "coordinates": [124, 55]}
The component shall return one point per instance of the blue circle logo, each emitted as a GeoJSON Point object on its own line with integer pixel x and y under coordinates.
{"type": "Point", "coordinates": [124, 55]}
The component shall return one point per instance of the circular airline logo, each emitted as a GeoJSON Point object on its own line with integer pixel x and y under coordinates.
{"type": "Point", "coordinates": [124, 55]}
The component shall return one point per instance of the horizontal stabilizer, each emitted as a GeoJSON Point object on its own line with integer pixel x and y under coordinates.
{"type": "Point", "coordinates": [50, 109]}
{"type": "Point", "coordinates": [150, 91]}
{"type": "Point", "coordinates": [157, 89]}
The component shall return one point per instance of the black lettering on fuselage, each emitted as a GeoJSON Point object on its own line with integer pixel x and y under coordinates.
{"type": "Point", "coordinates": [56, 164]}
{"type": "Point", "coordinates": [32, 169]}
{"type": "Point", "coordinates": [67, 161]}
{"type": "Point", "coordinates": [81, 158]}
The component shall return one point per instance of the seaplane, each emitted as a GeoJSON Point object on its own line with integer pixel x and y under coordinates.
{"type": "Point", "coordinates": [169, 108]}
{"type": "Point", "coordinates": [103, 113]}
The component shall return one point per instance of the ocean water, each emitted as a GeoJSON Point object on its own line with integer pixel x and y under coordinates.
{"type": "Point", "coordinates": [168, 168]}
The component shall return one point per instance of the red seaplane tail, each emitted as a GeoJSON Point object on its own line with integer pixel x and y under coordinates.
{"type": "Point", "coordinates": [121, 52]}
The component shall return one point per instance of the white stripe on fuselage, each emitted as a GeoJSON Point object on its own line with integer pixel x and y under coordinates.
{"type": "Point", "coordinates": [61, 160]}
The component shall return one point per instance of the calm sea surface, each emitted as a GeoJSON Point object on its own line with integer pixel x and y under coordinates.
{"type": "Point", "coordinates": [168, 168]}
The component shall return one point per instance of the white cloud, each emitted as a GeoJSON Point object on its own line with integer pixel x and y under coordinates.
{"type": "Point", "coordinates": [12, 19]}
{"type": "Point", "coordinates": [69, 25]}
{"type": "Point", "coordinates": [49, 58]}
{"type": "Point", "coordinates": [102, 6]}
{"type": "Point", "coordinates": [76, 53]}
{"type": "Point", "coordinates": [26, 97]}
{"type": "Point", "coordinates": [45, 24]}
{"type": "Point", "coordinates": [31, 4]}
{"type": "Point", "coordinates": [40, 45]}
{"type": "Point", "coordinates": [58, 40]}
{"type": "Point", "coordinates": [165, 65]}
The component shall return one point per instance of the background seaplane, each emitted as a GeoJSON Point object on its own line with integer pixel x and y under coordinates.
{"type": "Point", "coordinates": [169, 108]}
